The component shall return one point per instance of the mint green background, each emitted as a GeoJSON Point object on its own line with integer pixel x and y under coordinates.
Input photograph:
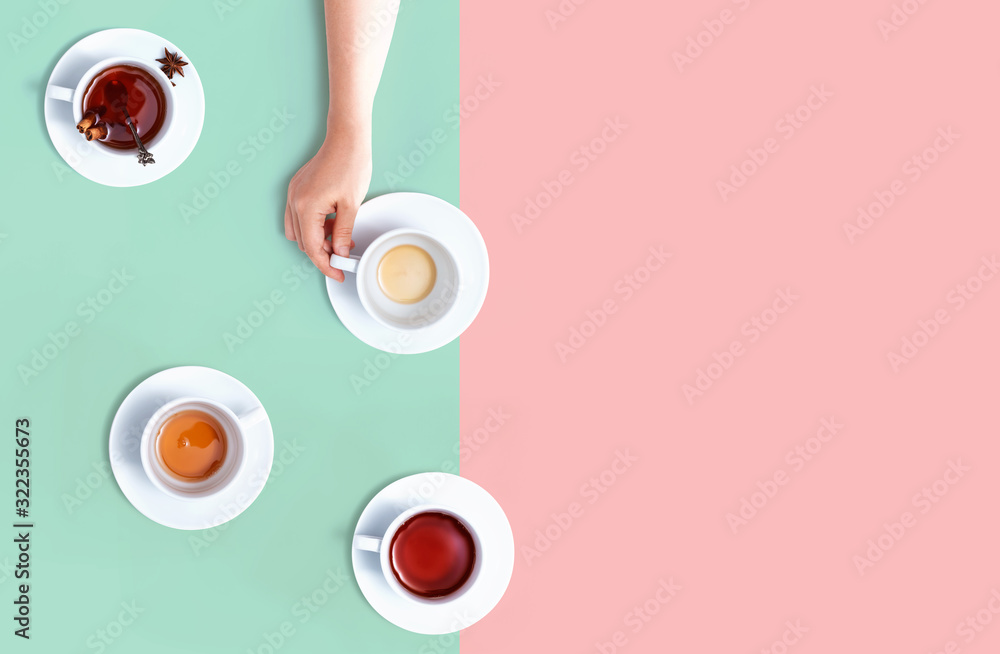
{"type": "Point", "coordinates": [64, 237]}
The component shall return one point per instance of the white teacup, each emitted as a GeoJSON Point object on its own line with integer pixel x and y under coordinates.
{"type": "Point", "coordinates": [75, 97]}
{"type": "Point", "coordinates": [381, 545]}
{"type": "Point", "coordinates": [395, 315]}
{"type": "Point", "coordinates": [234, 428]}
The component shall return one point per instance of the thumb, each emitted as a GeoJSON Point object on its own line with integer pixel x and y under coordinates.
{"type": "Point", "coordinates": [343, 226]}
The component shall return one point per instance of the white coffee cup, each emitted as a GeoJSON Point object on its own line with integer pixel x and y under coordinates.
{"type": "Point", "coordinates": [75, 97]}
{"type": "Point", "coordinates": [381, 546]}
{"type": "Point", "coordinates": [394, 315]}
{"type": "Point", "coordinates": [234, 428]}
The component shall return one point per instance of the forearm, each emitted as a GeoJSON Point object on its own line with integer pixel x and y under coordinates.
{"type": "Point", "coordinates": [358, 33]}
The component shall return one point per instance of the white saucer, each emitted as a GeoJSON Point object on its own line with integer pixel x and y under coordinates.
{"type": "Point", "coordinates": [188, 98]}
{"type": "Point", "coordinates": [446, 223]}
{"type": "Point", "coordinates": [463, 497]}
{"type": "Point", "coordinates": [131, 419]}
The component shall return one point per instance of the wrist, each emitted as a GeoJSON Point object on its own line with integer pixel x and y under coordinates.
{"type": "Point", "coordinates": [354, 122]}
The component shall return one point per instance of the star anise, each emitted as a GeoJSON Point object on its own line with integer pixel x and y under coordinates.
{"type": "Point", "coordinates": [172, 63]}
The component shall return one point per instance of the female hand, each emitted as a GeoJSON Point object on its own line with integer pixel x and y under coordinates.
{"type": "Point", "coordinates": [335, 180]}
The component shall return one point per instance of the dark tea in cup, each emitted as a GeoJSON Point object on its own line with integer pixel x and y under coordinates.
{"type": "Point", "coordinates": [432, 554]}
{"type": "Point", "coordinates": [122, 89]}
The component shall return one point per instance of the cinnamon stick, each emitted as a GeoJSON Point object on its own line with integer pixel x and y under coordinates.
{"type": "Point", "coordinates": [87, 121]}
{"type": "Point", "coordinates": [98, 131]}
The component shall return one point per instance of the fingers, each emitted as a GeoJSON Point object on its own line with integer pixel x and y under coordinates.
{"type": "Point", "coordinates": [313, 239]}
{"type": "Point", "coordinates": [297, 229]}
{"type": "Point", "coordinates": [289, 230]}
{"type": "Point", "coordinates": [328, 236]}
{"type": "Point", "coordinates": [292, 220]}
{"type": "Point", "coordinates": [328, 244]}
{"type": "Point", "coordinates": [343, 227]}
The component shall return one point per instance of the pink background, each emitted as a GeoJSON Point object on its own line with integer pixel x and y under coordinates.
{"type": "Point", "coordinates": [664, 517]}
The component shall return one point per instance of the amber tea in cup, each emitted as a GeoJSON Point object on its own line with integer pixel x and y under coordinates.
{"type": "Point", "coordinates": [191, 445]}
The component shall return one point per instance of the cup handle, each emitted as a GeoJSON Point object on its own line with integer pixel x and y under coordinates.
{"type": "Point", "coordinates": [368, 543]}
{"type": "Point", "coordinates": [59, 93]}
{"type": "Point", "coordinates": [252, 417]}
{"type": "Point", "coordinates": [347, 264]}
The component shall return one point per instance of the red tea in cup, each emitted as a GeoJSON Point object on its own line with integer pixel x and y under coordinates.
{"type": "Point", "coordinates": [142, 97]}
{"type": "Point", "coordinates": [432, 554]}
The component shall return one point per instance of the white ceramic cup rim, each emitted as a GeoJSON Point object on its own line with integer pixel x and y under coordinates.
{"type": "Point", "coordinates": [360, 265]}
{"type": "Point", "coordinates": [77, 92]}
{"type": "Point", "coordinates": [236, 449]}
{"type": "Point", "coordinates": [386, 539]}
